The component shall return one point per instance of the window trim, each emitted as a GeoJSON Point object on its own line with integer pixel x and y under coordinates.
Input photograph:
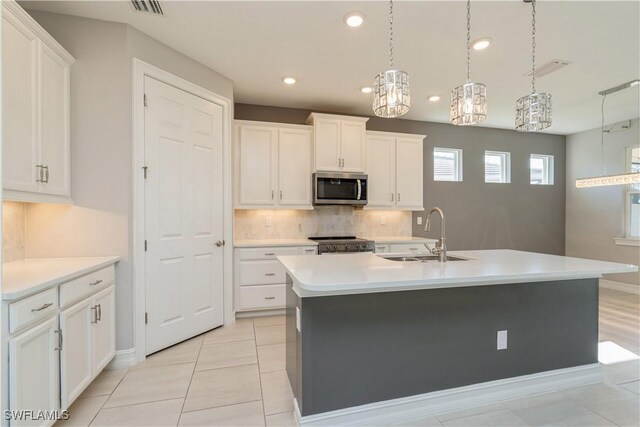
{"type": "Point", "coordinates": [506, 166]}
{"type": "Point", "coordinates": [459, 163]}
{"type": "Point", "coordinates": [628, 191]}
{"type": "Point", "coordinates": [550, 173]}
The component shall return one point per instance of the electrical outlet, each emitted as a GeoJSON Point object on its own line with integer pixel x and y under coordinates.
{"type": "Point", "coordinates": [419, 220]}
{"type": "Point", "coordinates": [383, 220]}
{"type": "Point", "coordinates": [269, 221]}
{"type": "Point", "coordinates": [502, 340]}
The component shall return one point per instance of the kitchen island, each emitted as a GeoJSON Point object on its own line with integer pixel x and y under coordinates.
{"type": "Point", "coordinates": [377, 341]}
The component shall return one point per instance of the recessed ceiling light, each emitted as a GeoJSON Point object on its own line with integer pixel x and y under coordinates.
{"type": "Point", "coordinates": [288, 80]}
{"type": "Point", "coordinates": [354, 19]}
{"type": "Point", "coordinates": [482, 43]}
{"type": "Point", "coordinates": [434, 98]}
{"type": "Point", "coordinates": [366, 89]}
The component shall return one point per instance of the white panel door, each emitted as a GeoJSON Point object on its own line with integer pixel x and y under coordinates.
{"type": "Point", "coordinates": [76, 357]}
{"type": "Point", "coordinates": [19, 103]}
{"type": "Point", "coordinates": [54, 125]}
{"type": "Point", "coordinates": [33, 371]}
{"type": "Point", "coordinates": [381, 169]}
{"type": "Point", "coordinates": [256, 148]}
{"type": "Point", "coordinates": [294, 167]}
{"type": "Point", "coordinates": [327, 144]}
{"type": "Point", "coordinates": [184, 215]}
{"type": "Point", "coordinates": [409, 177]}
{"type": "Point", "coordinates": [104, 329]}
{"type": "Point", "coordinates": [353, 138]}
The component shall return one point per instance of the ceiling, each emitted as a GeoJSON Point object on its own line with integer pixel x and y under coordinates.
{"type": "Point", "coordinates": [256, 43]}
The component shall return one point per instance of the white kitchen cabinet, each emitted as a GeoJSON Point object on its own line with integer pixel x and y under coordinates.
{"type": "Point", "coordinates": [35, 104]}
{"type": "Point", "coordinates": [408, 248]}
{"type": "Point", "coordinates": [272, 166]}
{"type": "Point", "coordinates": [104, 330]}
{"type": "Point", "coordinates": [339, 142]}
{"type": "Point", "coordinates": [395, 171]}
{"type": "Point", "coordinates": [34, 380]}
{"type": "Point", "coordinates": [381, 248]}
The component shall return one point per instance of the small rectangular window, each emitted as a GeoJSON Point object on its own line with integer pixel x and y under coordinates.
{"type": "Point", "coordinates": [541, 169]}
{"type": "Point", "coordinates": [497, 167]}
{"type": "Point", "coordinates": [633, 194]}
{"type": "Point", "coordinates": [447, 164]}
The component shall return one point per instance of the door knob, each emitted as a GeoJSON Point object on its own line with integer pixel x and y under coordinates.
{"type": "Point", "coordinates": [220, 243]}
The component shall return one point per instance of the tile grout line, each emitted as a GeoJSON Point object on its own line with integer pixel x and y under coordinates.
{"type": "Point", "coordinates": [110, 394]}
{"type": "Point", "coordinates": [264, 415]}
{"type": "Point", "coordinates": [184, 401]}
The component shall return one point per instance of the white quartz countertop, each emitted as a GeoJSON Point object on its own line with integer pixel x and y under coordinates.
{"type": "Point", "coordinates": [30, 276]}
{"type": "Point", "coordinates": [366, 272]}
{"type": "Point", "coordinates": [259, 243]}
{"type": "Point", "coordinates": [400, 239]}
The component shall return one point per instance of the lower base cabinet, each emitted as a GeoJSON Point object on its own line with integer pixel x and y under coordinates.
{"type": "Point", "coordinates": [34, 379]}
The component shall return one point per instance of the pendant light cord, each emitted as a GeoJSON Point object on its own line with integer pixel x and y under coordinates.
{"type": "Point", "coordinates": [391, 34]}
{"type": "Point", "coordinates": [468, 41]}
{"type": "Point", "coordinates": [604, 162]}
{"type": "Point", "coordinates": [533, 46]}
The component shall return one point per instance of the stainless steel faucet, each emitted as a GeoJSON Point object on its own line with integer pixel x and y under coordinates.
{"type": "Point", "coordinates": [441, 246]}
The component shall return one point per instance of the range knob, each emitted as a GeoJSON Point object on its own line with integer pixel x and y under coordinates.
{"type": "Point", "coordinates": [347, 248]}
{"type": "Point", "coordinates": [334, 248]}
{"type": "Point", "coordinates": [363, 247]}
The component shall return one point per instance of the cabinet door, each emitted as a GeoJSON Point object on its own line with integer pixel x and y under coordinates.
{"type": "Point", "coordinates": [294, 167]}
{"type": "Point", "coordinates": [54, 123]}
{"type": "Point", "coordinates": [19, 102]}
{"type": "Point", "coordinates": [33, 371]}
{"type": "Point", "coordinates": [327, 144]}
{"type": "Point", "coordinates": [76, 357]}
{"type": "Point", "coordinates": [381, 168]}
{"type": "Point", "coordinates": [257, 156]}
{"type": "Point", "coordinates": [104, 331]}
{"type": "Point", "coordinates": [353, 137]}
{"type": "Point", "coordinates": [409, 178]}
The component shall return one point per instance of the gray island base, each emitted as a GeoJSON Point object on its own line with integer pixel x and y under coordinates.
{"type": "Point", "coordinates": [370, 348]}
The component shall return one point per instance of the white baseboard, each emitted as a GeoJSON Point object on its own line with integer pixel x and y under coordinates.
{"type": "Point", "coordinates": [413, 408]}
{"type": "Point", "coordinates": [123, 359]}
{"type": "Point", "coordinates": [620, 286]}
{"type": "Point", "coordinates": [260, 313]}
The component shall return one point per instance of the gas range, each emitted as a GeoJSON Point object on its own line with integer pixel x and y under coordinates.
{"type": "Point", "coordinates": [342, 244]}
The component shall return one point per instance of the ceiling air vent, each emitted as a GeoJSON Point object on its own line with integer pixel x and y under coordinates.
{"type": "Point", "coordinates": [548, 68]}
{"type": "Point", "coordinates": [148, 6]}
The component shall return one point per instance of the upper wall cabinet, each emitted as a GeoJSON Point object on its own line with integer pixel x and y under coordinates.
{"type": "Point", "coordinates": [35, 105]}
{"type": "Point", "coordinates": [340, 142]}
{"type": "Point", "coordinates": [395, 169]}
{"type": "Point", "coordinates": [272, 165]}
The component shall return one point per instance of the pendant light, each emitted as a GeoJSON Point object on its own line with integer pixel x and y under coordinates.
{"type": "Point", "coordinates": [604, 179]}
{"type": "Point", "coordinates": [468, 101]}
{"type": "Point", "coordinates": [391, 88]}
{"type": "Point", "coordinates": [533, 112]}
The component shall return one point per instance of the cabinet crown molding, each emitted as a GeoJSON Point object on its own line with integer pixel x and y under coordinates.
{"type": "Point", "coordinates": [325, 116]}
{"type": "Point", "coordinates": [394, 134]}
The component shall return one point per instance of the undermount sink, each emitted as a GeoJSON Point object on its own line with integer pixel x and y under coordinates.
{"type": "Point", "coordinates": [423, 258]}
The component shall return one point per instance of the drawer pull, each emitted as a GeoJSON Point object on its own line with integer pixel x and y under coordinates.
{"type": "Point", "coordinates": [269, 274]}
{"type": "Point", "coordinates": [413, 249]}
{"type": "Point", "coordinates": [269, 297]}
{"type": "Point", "coordinates": [269, 254]}
{"type": "Point", "coordinates": [42, 307]}
{"type": "Point", "coordinates": [309, 250]}
{"type": "Point", "coordinates": [97, 282]}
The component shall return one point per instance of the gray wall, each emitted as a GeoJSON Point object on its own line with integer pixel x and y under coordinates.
{"type": "Point", "coordinates": [479, 216]}
{"type": "Point", "coordinates": [100, 222]}
{"type": "Point", "coordinates": [596, 215]}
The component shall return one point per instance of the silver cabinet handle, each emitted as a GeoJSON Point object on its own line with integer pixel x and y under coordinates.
{"type": "Point", "coordinates": [219, 243]}
{"type": "Point", "coordinates": [97, 282]}
{"type": "Point", "coordinates": [398, 196]}
{"type": "Point", "coordinates": [42, 307]}
{"type": "Point", "coordinates": [338, 161]}
{"type": "Point", "coordinates": [342, 162]}
{"type": "Point", "coordinates": [59, 332]}
{"type": "Point", "coordinates": [269, 254]}
{"type": "Point", "coordinates": [392, 197]}
{"type": "Point", "coordinates": [269, 297]}
{"type": "Point", "coordinates": [95, 314]}
{"type": "Point", "coordinates": [99, 312]}
{"type": "Point", "coordinates": [269, 274]}
{"type": "Point", "coordinates": [40, 177]}
{"type": "Point", "coordinates": [271, 194]}
{"type": "Point", "coordinates": [280, 194]}
{"type": "Point", "coordinates": [46, 174]}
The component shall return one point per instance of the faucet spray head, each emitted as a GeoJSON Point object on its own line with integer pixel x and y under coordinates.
{"type": "Point", "coordinates": [427, 223]}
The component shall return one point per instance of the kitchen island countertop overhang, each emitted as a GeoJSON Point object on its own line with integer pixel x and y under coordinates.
{"type": "Point", "coordinates": [365, 272]}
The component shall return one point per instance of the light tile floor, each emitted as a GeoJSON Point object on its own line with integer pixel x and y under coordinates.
{"type": "Point", "coordinates": [234, 376]}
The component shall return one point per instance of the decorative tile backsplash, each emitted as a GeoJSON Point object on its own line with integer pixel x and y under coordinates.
{"type": "Point", "coordinates": [13, 231]}
{"type": "Point", "coordinates": [322, 221]}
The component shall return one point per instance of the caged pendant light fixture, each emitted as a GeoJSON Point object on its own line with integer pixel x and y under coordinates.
{"type": "Point", "coordinates": [468, 101]}
{"type": "Point", "coordinates": [391, 96]}
{"type": "Point", "coordinates": [533, 112]}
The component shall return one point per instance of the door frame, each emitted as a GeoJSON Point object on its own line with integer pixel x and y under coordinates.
{"type": "Point", "coordinates": [142, 69]}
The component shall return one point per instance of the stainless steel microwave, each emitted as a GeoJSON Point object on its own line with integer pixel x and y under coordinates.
{"type": "Point", "coordinates": [337, 188]}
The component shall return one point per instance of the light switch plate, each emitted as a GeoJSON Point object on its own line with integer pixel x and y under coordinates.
{"type": "Point", "coordinates": [419, 220]}
{"type": "Point", "coordinates": [502, 340]}
{"type": "Point", "coordinates": [269, 221]}
{"type": "Point", "coordinates": [298, 320]}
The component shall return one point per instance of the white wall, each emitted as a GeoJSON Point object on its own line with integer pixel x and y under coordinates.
{"type": "Point", "coordinates": [100, 222]}
{"type": "Point", "coordinates": [595, 215]}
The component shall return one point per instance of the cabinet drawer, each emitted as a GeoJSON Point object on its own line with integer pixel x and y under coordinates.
{"type": "Point", "coordinates": [31, 309]}
{"type": "Point", "coordinates": [79, 288]}
{"type": "Point", "coordinates": [407, 248]}
{"type": "Point", "coordinates": [265, 253]}
{"type": "Point", "coordinates": [261, 273]}
{"type": "Point", "coordinates": [267, 296]}
{"type": "Point", "coordinates": [381, 248]}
